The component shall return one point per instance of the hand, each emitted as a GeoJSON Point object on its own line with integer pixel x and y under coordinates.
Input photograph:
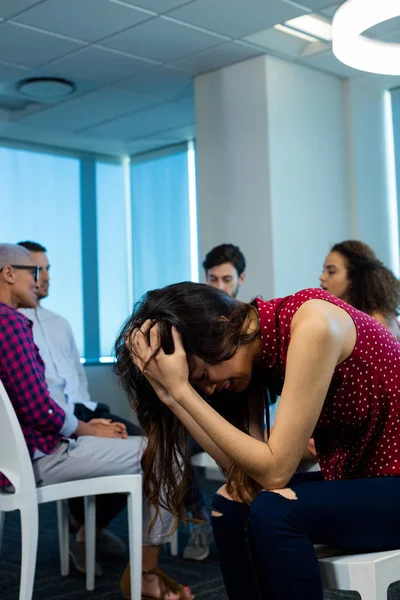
{"type": "Point", "coordinates": [167, 373]}
{"type": "Point", "coordinates": [107, 428]}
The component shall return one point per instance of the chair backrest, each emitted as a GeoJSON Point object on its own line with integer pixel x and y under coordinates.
{"type": "Point", "coordinates": [15, 462]}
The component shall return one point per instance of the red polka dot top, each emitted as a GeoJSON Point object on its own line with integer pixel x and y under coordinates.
{"type": "Point", "coordinates": [358, 431]}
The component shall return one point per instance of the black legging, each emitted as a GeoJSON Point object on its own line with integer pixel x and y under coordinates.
{"type": "Point", "coordinates": [266, 550]}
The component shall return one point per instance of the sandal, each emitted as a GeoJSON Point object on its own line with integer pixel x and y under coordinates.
{"type": "Point", "coordinates": [167, 584]}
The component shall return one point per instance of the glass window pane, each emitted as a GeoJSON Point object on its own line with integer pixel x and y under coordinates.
{"type": "Point", "coordinates": [160, 222]}
{"type": "Point", "coordinates": [112, 253]}
{"type": "Point", "coordinates": [40, 202]}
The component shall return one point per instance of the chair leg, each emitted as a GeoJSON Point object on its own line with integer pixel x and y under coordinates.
{"type": "Point", "coordinates": [135, 524]}
{"type": "Point", "coordinates": [173, 544]}
{"type": "Point", "coordinates": [90, 537]}
{"type": "Point", "coordinates": [63, 535]}
{"type": "Point", "coordinates": [29, 533]}
{"type": "Point", "coordinates": [2, 515]}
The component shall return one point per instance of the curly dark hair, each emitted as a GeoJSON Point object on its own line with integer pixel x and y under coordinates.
{"type": "Point", "coordinates": [373, 287]}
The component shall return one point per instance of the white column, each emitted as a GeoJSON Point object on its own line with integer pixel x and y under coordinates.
{"type": "Point", "coordinates": [372, 191]}
{"type": "Point", "coordinates": [271, 169]}
{"type": "Point", "coordinates": [232, 168]}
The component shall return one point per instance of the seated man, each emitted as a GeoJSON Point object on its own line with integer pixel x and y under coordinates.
{"type": "Point", "coordinates": [224, 268]}
{"type": "Point", "coordinates": [48, 429]}
{"type": "Point", "coordinates": [65, 376]}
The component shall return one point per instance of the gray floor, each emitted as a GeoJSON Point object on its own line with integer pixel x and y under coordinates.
{"type": "Point", "coordinates": [204, 578]}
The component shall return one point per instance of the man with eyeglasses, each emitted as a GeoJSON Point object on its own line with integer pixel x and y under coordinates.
{"type": "Point", "coordinates": [63, 448]}
{"type": "Point", "coordinates": [65, 375]}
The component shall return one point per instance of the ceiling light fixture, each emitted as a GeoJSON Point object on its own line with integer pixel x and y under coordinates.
{"type": "Point", "coordinates": [354, 17]}
{"type": "Point", "coordinates": [318, 27]}
{"type": "Point", "coordinates": [45, 89]}
{"type": "Point", "coordinates": [295, 33]}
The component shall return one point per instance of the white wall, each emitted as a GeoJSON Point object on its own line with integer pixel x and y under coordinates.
{"type": "Point", "coordinates": [307, 164]}
{"type": "Point", "coordinates": [367, 145]}
{"type": "Point", "coordinates": [232, 168]}
{"type": "Point", "coordinates": [271, 154]}
{"type": "Point", "coordinates": [104, 387]}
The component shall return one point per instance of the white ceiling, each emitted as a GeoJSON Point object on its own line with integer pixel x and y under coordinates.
{"type": "Point", "coordinates": [133, 62]}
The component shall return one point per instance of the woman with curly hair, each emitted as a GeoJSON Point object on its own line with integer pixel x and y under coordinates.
{"type": "Point", "coordinates": [353, 273]}
{"type": "Point", "coordinates": [193, 359]}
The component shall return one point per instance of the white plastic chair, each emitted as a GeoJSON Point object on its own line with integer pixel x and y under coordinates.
{"type": "Point", "coordinates": [16, 464]}
{"type": "Point", "coordinates": [368, 574]}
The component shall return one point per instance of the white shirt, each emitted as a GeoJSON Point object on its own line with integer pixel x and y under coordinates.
{"type": "Point", "coordinates": [65, 376]}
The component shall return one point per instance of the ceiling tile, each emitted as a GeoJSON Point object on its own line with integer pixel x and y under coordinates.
{"type": "Point", "coordinates": [167, 138]}
{"type": "Point", "coordinates": [58, 139]}
{"type": "Point", "coordinates": [32, 48]}
{"type": "Point", "coordinates": [218, 57]}
{"type": "Point", "coordinates": [277, 41]}
{"type": "Point", "coordinates": [87, 20]}
{"type": "Point", "coordinates": [326, 61]}
{"type": "Point", "coordinates": [86, 111]}
{"type": "Point", "coordinates": [101, 65]}
{"type": "Point", "coordinates": [385, 28]}
{"type": "Point", "coordinates": [162, 40]}
{"type": "Point", "coordinates": [236, 18]}
{"type": "Point", "coordinates": [162, 82]}
{"type": "Point", "coordinates": [11, 72]}
{"type": "Point", "coordinates": [143, 123]}
{"type": "Point", "coordinates": [159, 6]}
{"type": "Point", "coordinates": [393, 38]}
{"type": "Point", "coordinates": [9, 8]}
{"type": "Point", "coordinates": [312, 5]}
{"type": "Point", "coordinates": [330, 10]}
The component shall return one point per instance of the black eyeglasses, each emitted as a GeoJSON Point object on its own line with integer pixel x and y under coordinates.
{"type": "Point", "coordinates": [31, 268]}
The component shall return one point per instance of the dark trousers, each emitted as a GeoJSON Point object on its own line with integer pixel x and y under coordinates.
{"type": "Point", "coordinates": [194, 499]}
{"type": "Point", "coordinates": [266, 550]}
{"type": "Point", "coordinates": [109, 505]}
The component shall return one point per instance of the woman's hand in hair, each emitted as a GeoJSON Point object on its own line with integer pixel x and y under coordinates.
{"type": "Point", "coordinates": [167, 373]}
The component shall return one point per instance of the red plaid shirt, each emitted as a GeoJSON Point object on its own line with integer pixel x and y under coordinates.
{"type": "Point", "coordinates": [22, 374]}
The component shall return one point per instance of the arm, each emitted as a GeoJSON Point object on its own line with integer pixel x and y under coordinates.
{"type": "Point", "coordinates": [83, 395]}
{"type": "Point", "coordinates": [322, 335]}
{"type": "Point", "coordinates": [191, 425]}
{"type": "Point", "coordinates": [23, 376]}
{"type": "Point", "coordinates": [313, 353]}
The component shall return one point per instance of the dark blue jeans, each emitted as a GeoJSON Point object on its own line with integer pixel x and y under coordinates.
{"type": "Point", "coordinates": [266, 550]}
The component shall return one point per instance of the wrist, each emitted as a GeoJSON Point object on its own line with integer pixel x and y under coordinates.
{"type": "Point", "coordinates": [181, 391]}
{"type": "Point", "coordinates": [84, 429]}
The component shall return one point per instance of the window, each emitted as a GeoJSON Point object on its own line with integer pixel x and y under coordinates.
{"type": "Point", "coordinates": [108, 241]}
{"type": "Point", "coordinates": [161, 244]}
{"type": "Point", "coordinates": [40, 202]}
{"type": "Point", "coordinates": [114, 284]}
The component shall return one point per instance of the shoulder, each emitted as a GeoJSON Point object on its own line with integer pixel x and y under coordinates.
{"type": "Point", "coordinates": [378, 316]}
{"type": "Point", "coordinates": [11, 319]}
{"type": "Point", "coordinates": [15, 331]}
{"type": "Point", "coordinates": [53, 317]}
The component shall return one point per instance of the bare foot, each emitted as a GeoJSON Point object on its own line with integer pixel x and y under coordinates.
{"type": "Point", "coordinates": [151, 587]}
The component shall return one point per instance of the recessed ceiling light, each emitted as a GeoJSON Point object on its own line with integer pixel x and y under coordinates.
{"type": "Point", "coordinates": [295, 33]}
{"type": "Point", "coordinates": [45, 89]}
{"type": "Point", "coordinates": [312, 25]}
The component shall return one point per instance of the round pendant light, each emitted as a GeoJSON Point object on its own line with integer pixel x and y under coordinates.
{"type": "Point", "coordinates": [350, 21]}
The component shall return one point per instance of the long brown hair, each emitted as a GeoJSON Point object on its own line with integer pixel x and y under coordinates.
{"type": "Point", "coordinates": [372, 286]}
{"type": "Point", "coordinates": [195, 310]}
